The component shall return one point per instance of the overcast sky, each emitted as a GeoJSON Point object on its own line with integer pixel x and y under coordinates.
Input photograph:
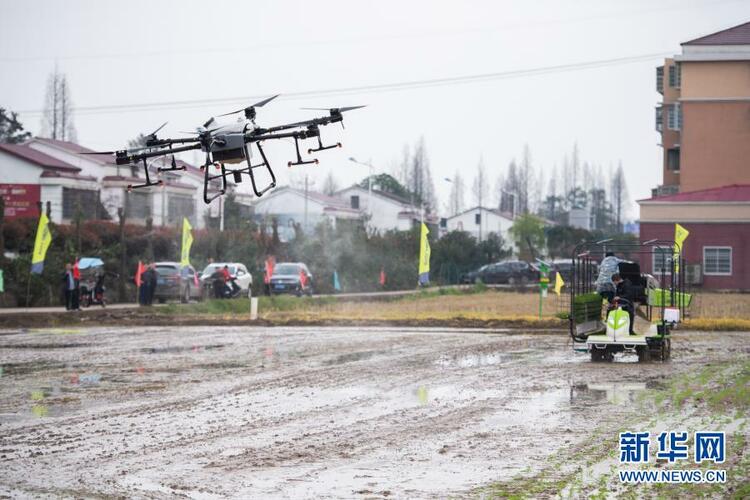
{"type": "Point", "coordinates": [132, 53]}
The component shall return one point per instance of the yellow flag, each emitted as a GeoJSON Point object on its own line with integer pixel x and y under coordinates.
{"type": "Point", "coordinates": [559, 283]}
{"type": "Point", "coordinates": [41, 244]}
{"type": "Point", "coordinates": [680, 235]}
{"type": "Point", "coordinates": [187, 241]}
{"type": "Point", "coordinates": [424, 256]}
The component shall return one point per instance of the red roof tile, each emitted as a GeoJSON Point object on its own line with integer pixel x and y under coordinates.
{"type": "Point", "coordinates": [734, 192]}
{"type": "Point", "coordinates": [737, 35]}
{"type": "Point", "coordinates": [37, 157]}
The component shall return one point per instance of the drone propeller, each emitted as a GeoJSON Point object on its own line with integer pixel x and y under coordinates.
{"type": "Point", "coordinates": [158, 129]}
{"type": "Point", "coordinates": [335, 111]}
{"type": "Point", "coordinates": [248, 109]}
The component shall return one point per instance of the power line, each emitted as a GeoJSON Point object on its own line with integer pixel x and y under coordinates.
{"type": "Point", "coordinates": [364, 89]}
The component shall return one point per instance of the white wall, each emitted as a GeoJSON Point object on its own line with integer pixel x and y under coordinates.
{"type": "Point", "coordinates": [384, 213]}
{"type": "Point", "coordinates": [14, 170]}
{"type": "Point", "coordinates": [289, 203]}
{"type": "Point", "coordinates": [491, 223]}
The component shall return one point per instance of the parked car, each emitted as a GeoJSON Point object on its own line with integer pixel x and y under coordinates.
{"type": "Point", "coordinates": [175, 281]}
{"type": "Point", "coordinates": [286, 279]}
{"type": "Point", "coordinates": [237, 270]}
{"type": "Point", "coordinates": [510, 271]}
{"type": "Point", "coordinates": [473, 276]}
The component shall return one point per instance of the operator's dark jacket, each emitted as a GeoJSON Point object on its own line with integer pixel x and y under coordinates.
{"type": "Point", "coordinates": [626, 291]}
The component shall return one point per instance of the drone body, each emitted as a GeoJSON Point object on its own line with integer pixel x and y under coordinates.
{"type": "Point", "coordinates": [231, 144]}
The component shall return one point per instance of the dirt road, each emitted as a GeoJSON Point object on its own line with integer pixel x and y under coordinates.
{"type": "Point", "coordinates": [301, 412]}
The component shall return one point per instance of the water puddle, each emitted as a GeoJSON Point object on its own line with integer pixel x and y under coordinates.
{"type": "Point", "coordinates": [616, 393]}
{"type": "Point", "coordinates": [176, 349]}
{"type": "Point", "coordinates": [352, 357]}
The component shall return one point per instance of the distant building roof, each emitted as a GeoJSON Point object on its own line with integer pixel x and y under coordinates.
{"type": "Point", "coordinates": [72, 147]}
{"type": "Point", "coordinates": [37, 157]}
{"type": "Point", "coordinates": [495, 211]}
{"type": "Point", "coordinates": [67, 175]}
{"type": "Point", "coordinates": [731, 193]}
{"type": "Point", "coordinates": [378, 192]}
{"type": "Point", "coordinates": [737, 35]}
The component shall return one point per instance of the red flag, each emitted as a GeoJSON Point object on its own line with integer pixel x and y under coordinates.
{"type": "Point", "coordinates": [76, 271]}
{"type": "Point", "coordinates": [138, 273]}
{"type": "Point", "coordinates": [270, 262]}
{"type": "Point", "coordinates": [382, 277]}
{"type": "Point", "coordinates": [302, 279]}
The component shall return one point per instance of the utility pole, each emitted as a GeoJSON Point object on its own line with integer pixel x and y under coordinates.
{"type": "Point", "coordinates": [304, 226]}
{"type": "Point", "coordinates": [221, 213]}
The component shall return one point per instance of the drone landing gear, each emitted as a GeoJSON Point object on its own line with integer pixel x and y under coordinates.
{"type": "Point", "coordinates": [321, 147]}
{"type": "Point", "coordinates": [207, 178]}
{"type": "Point", "coordinates": [299, 156]}
{"type": "Point", "coordinates": [148, 182]}
{"type": "Point", "coordinates": [251, 167]}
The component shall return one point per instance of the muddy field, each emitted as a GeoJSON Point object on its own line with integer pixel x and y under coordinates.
{"type": "Point", "coordinates": [302, 412]}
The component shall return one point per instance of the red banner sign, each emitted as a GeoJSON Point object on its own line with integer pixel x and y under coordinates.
{"type": "Point", "coordinates": [21, 200]}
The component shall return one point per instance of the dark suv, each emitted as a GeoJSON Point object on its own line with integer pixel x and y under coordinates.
{"type": "Point", "coordinates": [176, 282]}
{"type": "Point", "coordinates": [511, 272]}
{"type": "Point", "coordinates": [286, 278]}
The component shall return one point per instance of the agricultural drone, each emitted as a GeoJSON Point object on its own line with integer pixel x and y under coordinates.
{"type": "Point", "coordinates": [231, 144]}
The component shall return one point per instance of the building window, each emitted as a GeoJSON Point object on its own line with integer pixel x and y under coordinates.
{"type": "Point", "coordinates": [662, 259]}
{"type": "Point", "coordinates": [443, 222]}
{"type": "Point", "coordinates": [477, 219]}
{"type": "Point", "coordinates": [84, 199]}
{"type": "Point", "coordinates": [717, 261]}
{"type": "Point", "coordinates": [137, 205]}
{"type": "Point", "coordinates": [675, 75]}
{"type": "Point", "coordinates": [674, 116]}
{"type": "Point", "coordinates": [355, 202]}
{"type": "Point", "coordinates": [660, 79]}
{"type": "Point", "coordinates": [673, 159]}
{"type": "Point", "coordinates": [659, 119]}
{"type": "Point", "coordinates": [179, 206]}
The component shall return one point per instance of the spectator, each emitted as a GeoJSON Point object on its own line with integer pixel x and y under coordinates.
{"type": "Point", "coordinates": [69, 285]}
{"type": "Point", "coordinates": [153, 279]}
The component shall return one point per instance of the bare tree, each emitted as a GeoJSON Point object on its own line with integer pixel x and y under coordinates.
{"type": "Point", "coordinates": [497, 192]}
{"type": "Point", "coordinates": [619, 196]}
{"type": "Point", "coordinates": [525, 178]}
{"type": "Point", "coordinates": [509, 201]}
{"type": "Point", "coordinates": [456, 203]}
{"type": "Point", "coordinates": [57, 120]}
{"type": "Point", "coordinates": [480, 187]}
{"type": "Point", "coordinates": [419, 179]}
{"type": "Point", "coordinates": [330, 185]}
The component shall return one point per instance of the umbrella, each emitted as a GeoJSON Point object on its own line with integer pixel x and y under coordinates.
{"type": "Point", "coordinates": [88, 262]}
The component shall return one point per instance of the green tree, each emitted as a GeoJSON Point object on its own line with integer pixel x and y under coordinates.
{"type": "Point", "coordinates": [11, 129]}
{"type": "Point", "coordinates": [528, 233]}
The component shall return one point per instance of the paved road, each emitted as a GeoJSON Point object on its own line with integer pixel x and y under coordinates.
{"type": "Point", "coordinates": [302, 412]}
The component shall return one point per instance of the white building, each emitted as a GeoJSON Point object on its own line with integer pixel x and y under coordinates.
{"type": "Point", "coordinates": [180, 196]}
{"type": "Point", "coordinates": [480, 221]}
{"type": "Point", "coordinates": [28, 176]}
{"type": "Point", "coordinates": [290, 206]}
{"type": "Point", "coordinates": [383, 211]}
